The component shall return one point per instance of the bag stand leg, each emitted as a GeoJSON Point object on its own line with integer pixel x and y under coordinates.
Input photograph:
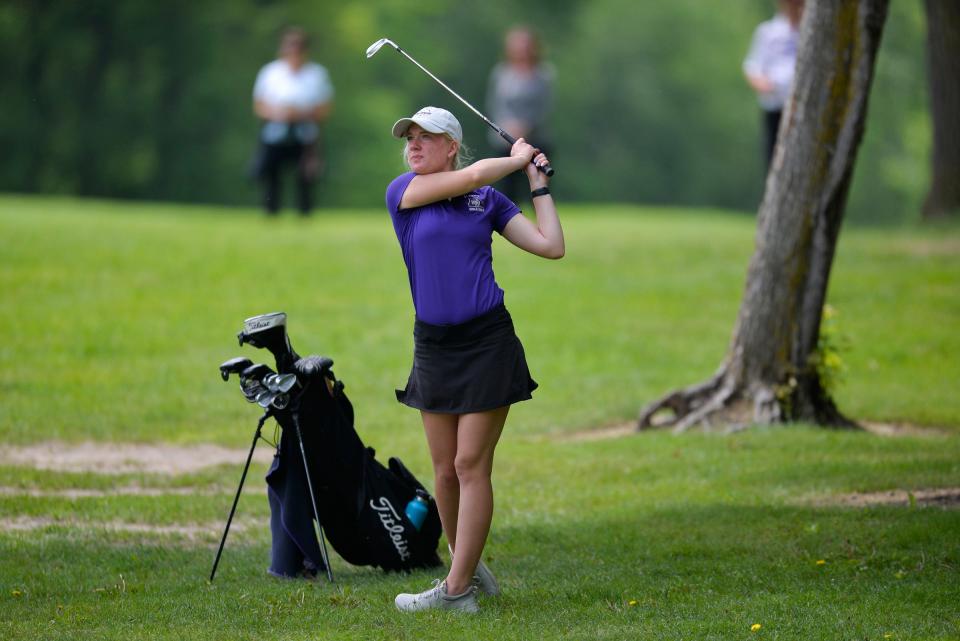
{"type": "Point", "coordinates": [243, 477]}
{"type": "Point", "coordinates": [313, 499]}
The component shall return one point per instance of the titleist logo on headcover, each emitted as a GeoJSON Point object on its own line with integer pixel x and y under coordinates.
{"type": "Point", "coordinates": [393, 524]}
{"type": "Point", "coordinates": [265, 321]}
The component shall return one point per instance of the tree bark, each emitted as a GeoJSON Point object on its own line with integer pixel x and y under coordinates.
{"type": "Point", "coordinates": [770, 371]}
{"type": "Point", "coordinates": [943, 77]}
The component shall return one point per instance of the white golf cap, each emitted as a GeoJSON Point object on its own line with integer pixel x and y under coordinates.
{"type": "Point", "coordinates": [432, 119]}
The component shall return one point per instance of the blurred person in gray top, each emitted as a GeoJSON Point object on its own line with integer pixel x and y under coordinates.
{"type": "Point", "coordinates": [293, 97]}
{"type": "Point", "coordinates": [519, 99]}
{"type": "Point", "coordinates": [770, 64]}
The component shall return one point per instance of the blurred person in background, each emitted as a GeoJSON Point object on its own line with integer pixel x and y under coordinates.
{"type": "Point", "coordinates": [519, 97]}
{"type": "Point", "coordinates": [293, 97]}
{"type": "Point", "coordinates": [769, 66]}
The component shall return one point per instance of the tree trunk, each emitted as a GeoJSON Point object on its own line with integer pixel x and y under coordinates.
{"type": "Point", "coordinates": [770, 372]}
{"type": "Point", "coordinates": [943, 76]}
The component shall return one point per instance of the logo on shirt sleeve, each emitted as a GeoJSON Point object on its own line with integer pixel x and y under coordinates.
{"type": "Point", "coordinates": [475, 202]}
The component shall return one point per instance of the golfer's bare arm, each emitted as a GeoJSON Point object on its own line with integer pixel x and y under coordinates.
{"type": "Point", "coordinates": [429, 188]}
{"type": "Point", "coordinates": [545, 238]}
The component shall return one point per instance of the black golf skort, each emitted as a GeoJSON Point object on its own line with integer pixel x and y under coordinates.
{"type": "Point", "coordinates": [474, 366]}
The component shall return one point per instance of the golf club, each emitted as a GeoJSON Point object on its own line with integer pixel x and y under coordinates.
{"type": "Point", "coordinates": [280, 382]}
{"type": "Point", "coordinates": [252, 391]}
{"type": "Point", "coordinates": [376, 46]}
{"type": "Point", "coordinates": [317, 523]}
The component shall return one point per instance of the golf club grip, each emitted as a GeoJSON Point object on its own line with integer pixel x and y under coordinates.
{"type": "Point", "coordinates": [545, 167]}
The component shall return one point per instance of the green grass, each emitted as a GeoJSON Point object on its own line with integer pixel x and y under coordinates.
{"type": "Point", "coordinates": [117, 315]}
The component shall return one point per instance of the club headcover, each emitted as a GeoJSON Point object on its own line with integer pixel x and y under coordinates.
{"type": "Point", "coordinates": [313, 366]}
{"type": "Point", "coordinates": [234, 366]}
{"type": "Point", "coordinates": [270, 331]}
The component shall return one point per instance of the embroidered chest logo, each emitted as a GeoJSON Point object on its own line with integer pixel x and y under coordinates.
{"type": "Point", "coordinates": [474, 202]}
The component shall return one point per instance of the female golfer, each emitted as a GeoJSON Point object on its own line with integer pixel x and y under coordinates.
{"type": "Point", "coordinates": [468, 364]}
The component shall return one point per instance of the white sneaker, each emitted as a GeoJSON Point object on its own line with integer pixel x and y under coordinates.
{"type": "Point", "coordinates": [436, 598]}
{"type": "Point", "coordinates": [483, 578]}
{"type": "Point", "coordinates": [485, 581]}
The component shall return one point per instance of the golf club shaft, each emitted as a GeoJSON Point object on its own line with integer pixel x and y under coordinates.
{"type": "Point", "coordinates": [313, 499]}
{"type": "Point", "coordinates": [243, 477]}
{"type": "Point", "coordinates": [545, 168]}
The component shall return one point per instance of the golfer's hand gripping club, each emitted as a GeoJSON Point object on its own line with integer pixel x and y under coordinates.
{"type": "Point", "coordinates": [545, 168]}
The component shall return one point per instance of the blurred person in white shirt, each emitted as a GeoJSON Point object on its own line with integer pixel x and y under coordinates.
{"type": "Point", "coordinates": [770, 65]}
{"type": "Point", "coordinates": [293, 97]}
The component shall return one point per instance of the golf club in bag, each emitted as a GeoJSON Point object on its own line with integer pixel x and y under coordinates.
{"type": "Point", "coordinates": [376, 46]}
{"type": "Point", "coordinates": [322, 472]}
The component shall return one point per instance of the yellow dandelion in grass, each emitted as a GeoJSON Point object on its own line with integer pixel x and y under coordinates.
{"type": "Point", "coordinates": [632, 602]}
{"type": "Point", "coordinates": [15, 593]}
{"type": "Point", "coordinates": [888, 636]}
{"type": "Point", "coordinates": [821, 562]}
{"type": "Point", "coordinates": [755, 627]}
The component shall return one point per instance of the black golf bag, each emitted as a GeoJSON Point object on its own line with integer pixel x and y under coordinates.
{"type": "Point", "coordinates": [360, 503]}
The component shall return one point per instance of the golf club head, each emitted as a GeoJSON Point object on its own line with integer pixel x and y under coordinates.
{"type": "Point", "coordinates": [251, 390]}
{"type": "Point", "coordinates": [256, 372]}
{"type": "Point", "coordinates": [280, 383]}
{"type": "Point", "coordinates": [251, 381]}
{"type": "Point", "coordinates": [376, 46]}
{"type": "Point", "coordinates": [234, 366]}
{"type": "Point", "coordinates": [272, 399]}
{"type": "Point", "coordinates": [265, 398]}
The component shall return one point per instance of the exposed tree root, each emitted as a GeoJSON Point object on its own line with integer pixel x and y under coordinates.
{"type": "Point", "coordinates": [723, 401]}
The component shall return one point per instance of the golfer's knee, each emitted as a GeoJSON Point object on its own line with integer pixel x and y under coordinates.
{"type": "Point", "coordinates": [445, 475]}
{"type": "Point", "coordinates": [471, 469]}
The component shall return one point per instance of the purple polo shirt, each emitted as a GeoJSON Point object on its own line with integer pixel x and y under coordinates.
{"type": "Point", "coordinates": [447, 249]}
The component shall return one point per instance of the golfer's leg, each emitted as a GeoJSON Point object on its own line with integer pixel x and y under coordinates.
{"type": "Point", "coordinates": [477, 436]}
{"type": "Point", "coordinates": [441, 431]}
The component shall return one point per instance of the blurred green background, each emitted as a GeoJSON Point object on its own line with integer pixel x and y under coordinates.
{"type": "Point", "coordinates": [148, 100]}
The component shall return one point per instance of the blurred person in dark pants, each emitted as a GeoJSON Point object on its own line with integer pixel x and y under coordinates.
{"type": "Point", "coordinates": [293, 97]}
{"type": "Point", "coordinates": [769, 66]}
{"type": "Point", "coordinates": [519, 97]}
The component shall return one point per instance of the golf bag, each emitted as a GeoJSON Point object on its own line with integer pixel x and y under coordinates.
{"type": "Point", "coordinates": [359, 502]}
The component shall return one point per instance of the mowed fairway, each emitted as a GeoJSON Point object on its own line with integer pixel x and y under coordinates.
{"type": "Point", "coordinates": [116, 316]}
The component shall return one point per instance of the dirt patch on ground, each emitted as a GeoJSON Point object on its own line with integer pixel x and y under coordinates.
{"type": "Point", "coordinates": [902, 429]}
{"type": "Point", "coordinates": [191, 531]}
{"type": "Point", "coordinates": [126, 458]}
{"type": "Point", "coordinates": [946, 497]}
{"type": "Point", "coordinates": [926, 248]}
{"type": "Point", "coordinates": [126, 490]}
{"type": "Point", "coordinates": [599, 433]}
